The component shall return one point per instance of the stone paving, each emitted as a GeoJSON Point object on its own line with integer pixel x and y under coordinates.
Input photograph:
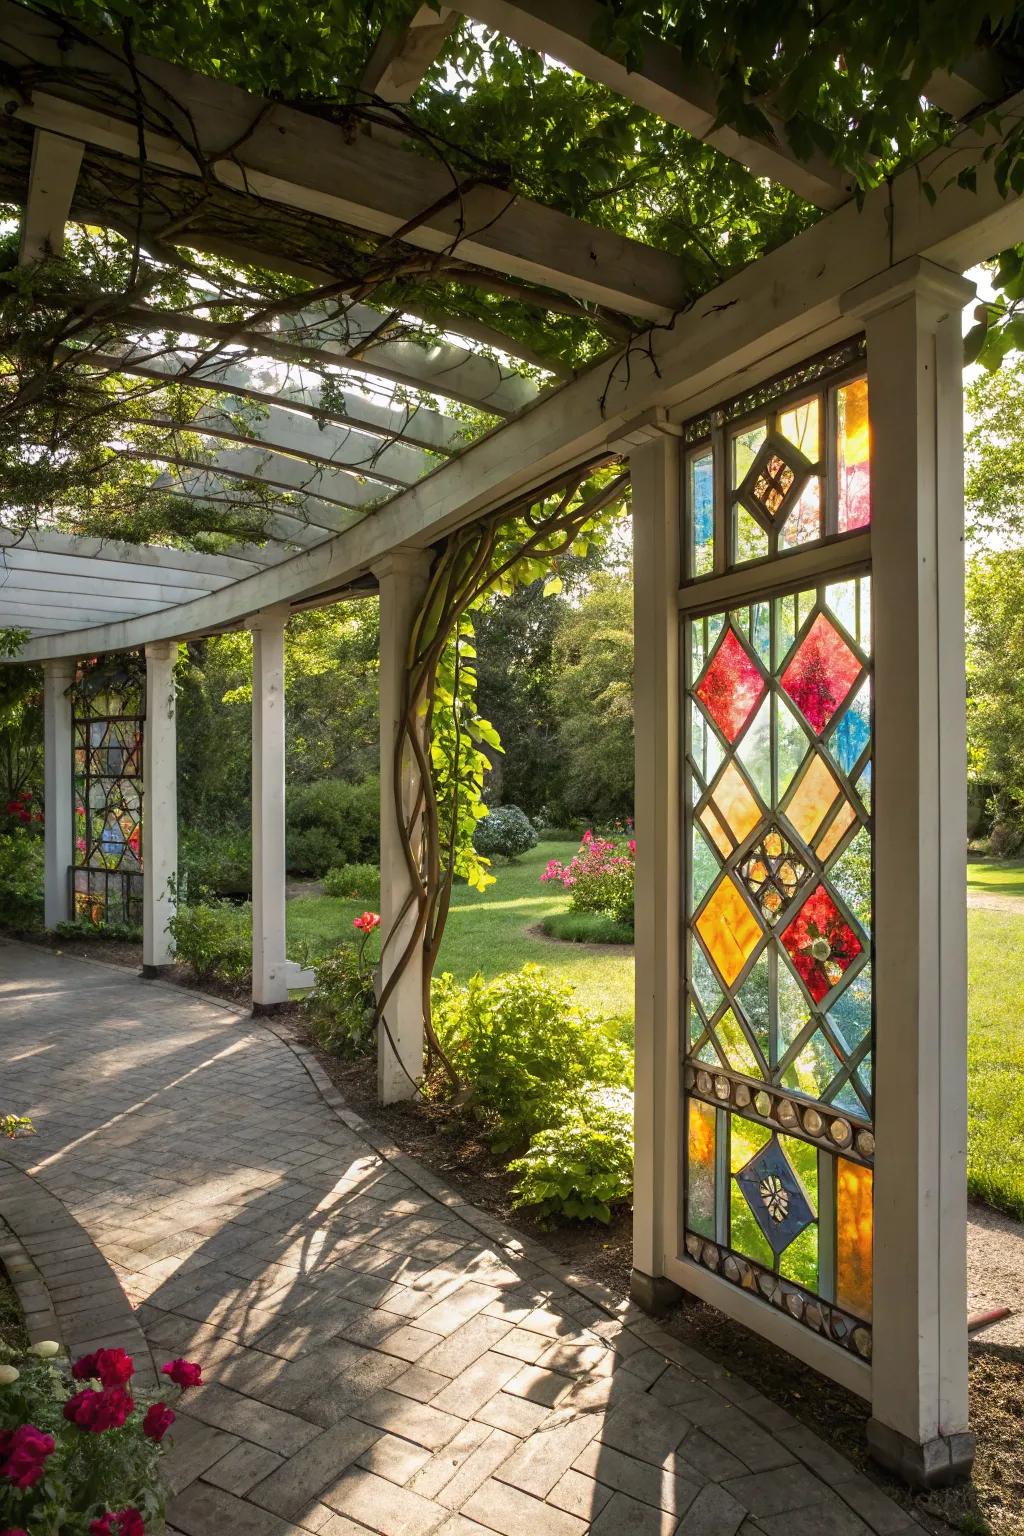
{"type": "Point", "coordinates": [379, 1357]}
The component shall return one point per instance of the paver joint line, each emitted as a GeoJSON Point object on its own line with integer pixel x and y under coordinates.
{"type": "Point", "coordinates": [378, 1355]}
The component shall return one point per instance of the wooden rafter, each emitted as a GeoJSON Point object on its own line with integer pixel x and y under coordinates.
{"type": "Point", "coordinates": [401, 56]}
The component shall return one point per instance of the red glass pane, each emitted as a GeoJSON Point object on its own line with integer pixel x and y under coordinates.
{"type": "Point", "coordinates": [731, 687]}
{"type": "Point", "coordinates": [820, 943]}
{"type": "Point", "coordinates": [821, 673]}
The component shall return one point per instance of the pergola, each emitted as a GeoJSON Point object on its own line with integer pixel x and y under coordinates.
{"type": "Point", "coordinates": [781, 607]}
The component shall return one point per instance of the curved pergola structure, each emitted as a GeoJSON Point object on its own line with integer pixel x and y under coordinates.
{"type": "Point", "coordinates": [374, 434]}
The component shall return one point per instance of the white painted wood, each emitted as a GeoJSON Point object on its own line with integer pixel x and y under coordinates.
{"type": "Point", "coordinates": [156, 556]}
{"type": "Point", "coordinates": [52, 177]}
{"type": "Point", "coordinates": [665, 83]}
{"type": "Point", "coordinates": [159, 804]}
{"type": "Point", "coordinates": [305, 162]}
{"type": "Point", "coordinates": [66, 566]}
{"type": "Point", "coordinates": [269, 965]}
{"type": "Point", "coordinates": [975, 82]}
{"type": "Point", "coordinates": [403, 577]}
{"type": "Point", "coordinates": [912, 321]}
{"type": "Point", "coordinates": [654, 470]}
{"type": "Point", "coordinates": [58, 804]}
{"type": "Point", "coordinates": [401, 56]}
{"type": "Point", "coordinates": [313, 483]}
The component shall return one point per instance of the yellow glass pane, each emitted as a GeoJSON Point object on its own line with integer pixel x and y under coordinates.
{"type": "Point", "coordinates": [736, 804]}
{"type": "Point", "coordinates": [845, 817]}
{"type": "Point", "coordinates": [814, 797]}
{"type": "Point", "coordinates": [800, 426]}
{"type": "Point", "coordinates": [700, 1167]}
{"type": "Point", "coordinates": [736, 1046]}
{"type": "Point", "coordinates": [853, 404]}
{"type": "Point", "coordinates": [728, 929]}
{"type": "Point", "coordinates": [854, 1231]}
{"type": "Point", "coordinates": [717, 833]}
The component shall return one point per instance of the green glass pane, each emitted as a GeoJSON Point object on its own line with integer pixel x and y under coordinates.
{"type": "Point", "coordinates": [761, 632]}
{"type": "Point", "coordinates": [864, 636]}
{"type": "Point", "coordinates": [738, 1050]}
{"type": "Point", "coordinates": [751, 539]}
{"type": "Point", "coordinates": [793, 1011]}
{"type": "Point", "coordinates": [851, 876]}
{"type": "Point", "coordinates": [696, 1025]}
{"type": "Point", "coordinates": [799, 1263]}
{"type": "Point", "coordinates": [708, 990]}
{"type": "Point", "coordinates": [791, 744]}
{"type": "Point", "coordinates": [708, 1055]}
{"type": "Point", "coordinates": [755, 751]}
{"type": "Point", "coordinates": [864, 786]}
{"type": "Point", "coordinates": [702, 512]}
{"type": "Point", "coordinates": [753, 999]}
{"type": "Point", "coordinates": [746, 1138]}
{"type": "Point", "coordinates": [705, 747]}
{"type": "Point", "coordinates": [804, 603]}
{"type": "Point", "coordinates": [850, 1014]}
{"type": "Point", "coordinates": [698, 650]}
{"type": "Point", "coordinates": [700, 1167]}
{"type": "Point", "coordinates": [785, 626]}
{"type": "Point", "coordinates": [745, 447]}
{"type": "Point", "coordinates": [866, 1076]}
{"type": "Point", "coordinates": [804, 1157]}
{"type": "Point", "coordinates": [703, 868]}
{"type": "Point", "coordinates": [815, 1067]}
{"type": "Point", "coordinates": [845, 1098]}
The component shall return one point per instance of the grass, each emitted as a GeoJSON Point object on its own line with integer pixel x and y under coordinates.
{"type": "Point", "coordinates": [586, 928]}
{"type": "Point", "coordinates": [996, 877]}
{"type": "Point", "coordinates": [488, 932]}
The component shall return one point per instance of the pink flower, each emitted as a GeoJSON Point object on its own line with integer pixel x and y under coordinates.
{"type": "Point", "coordinates": [99, 1411]}
{"type": "Point", "coordinates": [24, 1451]}
{"type": "Point", "coordinates": [158, 1421]}
{"type": "Point", "coordinates": [632, 846]}
{"type": "Point", "coordinates": [122, 1522]}
{"type": "Point", "coordinates": [184, 1373]}
{"type": "Point", "coordinates": [367, 922]}
{"type": "Point", "coordinates": [14, 1530]}
{"type": "Point", "coordinates": [113, 1367]}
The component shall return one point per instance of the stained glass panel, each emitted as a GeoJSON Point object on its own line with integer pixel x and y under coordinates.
{"type": "Point", "coordinates": [107, 723]}
{"type": "Point", "coordinates": [780, 957]}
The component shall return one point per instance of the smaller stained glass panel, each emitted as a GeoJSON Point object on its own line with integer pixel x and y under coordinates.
{"type": "Point", "coordinates": [774, 481]}
{"type": "Point", "coordinates": [821, 673]}
{"type": "Point", "coordinates": [773, 872]}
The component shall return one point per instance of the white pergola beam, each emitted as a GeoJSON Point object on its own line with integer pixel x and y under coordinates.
{"type": "Point", "coordinates": [53, 176]}
{"type": "Point", "coordinates": [244, 561]}
{"type": "Point", "coordinates": [664, 83]}
{"type": "Point", "coordinates": [976, 82]}
{"type": "Point", "coordinates": [332, 487]}
{"type": "Point", "coordinates": [771, 314]}
{"type": "Point", "coordinates": [79, 566]}
{"type": "Point", "coordinates": [302, 162]}
{"type": "Point", "coordinates": [401, 56]}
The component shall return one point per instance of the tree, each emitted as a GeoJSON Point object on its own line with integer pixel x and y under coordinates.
{"type": "Point", "coordinates": [593, 694]}
{"type": "Point", "coordinates": [995, 686]}
{"type": "Point", "coordinates": [994, 455]}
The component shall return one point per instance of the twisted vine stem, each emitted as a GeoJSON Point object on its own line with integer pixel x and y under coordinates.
{"type": "Point", "coordinates": [473, 561]}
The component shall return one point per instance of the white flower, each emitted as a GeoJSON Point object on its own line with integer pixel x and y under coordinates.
{"type": "Point", "coordinates": [45, 1349]}
{"type": "Point", "coordinates": [821, 949]}
{"type": "Point", "coordinates": [8, 1375]}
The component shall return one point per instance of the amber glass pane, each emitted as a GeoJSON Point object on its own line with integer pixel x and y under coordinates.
{"type": "Point", "coordinates": [728, 929]}
{"type": "Point", "coordinates": [845, 817]}
{"type": "Point", "coordinates": [853, 1237]}
{"type": "Point", "coordinates": [800, 425]}
{"type": "Point", "coordinates": [813, 798]}
{"type": "Point", "coordinates": [735, 800]}
{"type": "Point", "coordinates": [854, 447]}
{"type": "Point", "coordinates": [700, 1168]}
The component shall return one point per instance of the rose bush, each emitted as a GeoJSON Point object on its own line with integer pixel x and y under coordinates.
{"type": "Point", "coordinates": [81, 1460]}
{"type": "Point", "coordinates": [600, 876]}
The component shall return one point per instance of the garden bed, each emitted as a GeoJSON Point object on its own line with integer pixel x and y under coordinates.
{"type": "Point", "coordinates": [13, 1333]}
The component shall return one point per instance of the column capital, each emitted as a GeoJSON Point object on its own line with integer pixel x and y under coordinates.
{"type": "Point", "coordinates": [160, 650]}
{"type": "Point", "coordinates": [60, 667]}
{"type": "Point", "coordinates": [273, 617]}
{"type": "Point", "coordinates": [404, 561]}
{"type": "Point", "coordinates": [939, 290]}
{"type": "Point", "coordinates": [648, 427]}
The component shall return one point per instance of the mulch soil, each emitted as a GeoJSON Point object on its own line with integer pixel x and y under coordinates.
{"type": "Point", "coordinates": [456, 1148]}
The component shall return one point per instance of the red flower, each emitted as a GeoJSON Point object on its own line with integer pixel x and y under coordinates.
{"type": "Point", "coordinates": [122, 1522]}
{"type": "Point", "coordinates": [367, 922]}
{"type": "Point", "coordinates": [184, 1373]}
{"type": "Point", "coordinates": [158, 1421]}
{"type": "Point", "coordinates": [98, 1411]}
{"type": "Point", "coordinates": [14, 1530]}
{"type": "Point", "coordinates": [13, 807]}
{"type": "Point", "coordinates": [24, 1451]}
{"type": "Point", "coordinates": [113, 1367]}
{"type": "Point", "coordinates": [24, 816]}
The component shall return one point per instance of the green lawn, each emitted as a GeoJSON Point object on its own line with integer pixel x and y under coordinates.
{"type": "Point", "coordinates": [487, 932]}
{"type": "Point", "coordinates": [998, 877]}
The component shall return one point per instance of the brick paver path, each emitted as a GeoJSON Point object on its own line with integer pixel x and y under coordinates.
{"type": "Point", "coordinates": [375, 1361]}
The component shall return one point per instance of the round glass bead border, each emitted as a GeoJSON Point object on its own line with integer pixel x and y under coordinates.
{"type": "Point", "coordinates": [815, 1123]}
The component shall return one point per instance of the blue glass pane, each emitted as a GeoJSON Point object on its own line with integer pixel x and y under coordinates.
{"type": "Point", "coordinates": [853, 732]}
{"type": "Point", "coordinates": [703, 499]}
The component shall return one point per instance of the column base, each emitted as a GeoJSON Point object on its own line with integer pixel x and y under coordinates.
{"type": "Point", "coordinates": [935, 1464]}
{"type": "Point", "coordinates": [656, 1294]}
{"type": "Point", "coordinates": [265, 1010]}
{"type": "Point", "coordinates": [156, 972]}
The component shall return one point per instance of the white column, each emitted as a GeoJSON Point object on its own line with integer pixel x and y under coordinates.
{"type": "Point", "coordinates": [159, 807]}
{"type": "Point", "coordinates": [654, 469]}
{"type": "Point", "coordinates": [402, 576]}
{"type": "Point", "coordinates": [919, 1367]}
{"type": "Point", "coordinates": [269, 967]}
{"type": "Point", "coordinates": [58, 791]}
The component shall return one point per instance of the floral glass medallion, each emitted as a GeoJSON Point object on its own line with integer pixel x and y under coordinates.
{"type": "Point", "coordinates": [732, 686]}
{"type": "Point", "coordinates": [775, 1196]}
{"type": "Point", "coordinates": [820, 943]}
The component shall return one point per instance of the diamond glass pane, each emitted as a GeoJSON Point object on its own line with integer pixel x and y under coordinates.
{"type": "Point", "coordinates": [820, 943]}
{"type": "Point", "coordinates": [821, 673]}
{"type": "Point", "coordinates": [731, 687]}
{"type": "Point", "coordinates": [729, 929]}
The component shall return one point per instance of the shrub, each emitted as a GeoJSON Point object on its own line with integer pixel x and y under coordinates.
{"type": "Point", "coordinates": [215, 939]}
{"type": "Point", "coordinates": [214, 862]}
{"type": "Point", "coordinates": [82, 928]}
{"type": "Point", "coordinates": [340, 1009]}
{"type": "Point", "coordinates": [21, 880]}
{"type": "Point", "coordinates": [583, 1167]}
{"type": "Point", "coordinates": [600, 876]}
{"type": "Point", "coordinates": [354, 882]}
{"type": "Point", "coordinates": [586, 928]}
{"type": "Point", "coordinates": [81, 1452]}
{"type": "Point", "coordinates": [332, 822]}
{"type": "Point", "coordinates": [527, 1053]}
{"type": "Point", "coordinates": [507, 830]}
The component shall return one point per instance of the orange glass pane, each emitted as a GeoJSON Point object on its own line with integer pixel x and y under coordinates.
{"type": "Point", "coordinates": [814, 797]}
{"type": "Point", "coordinates": [700, 1168]}
{"type": "Point", "coordinates": [728, 929]}
{"type": "Point", "coordinates": [735, 802]}
{"type": "Point", "coordinates": [854, 455]}
{"type": "Point", "coordinates": [845, 817]}
{"type": "Point", "coordinates": [717, 833]}
{"type": "Point", "coordinates": [854, 1230]}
